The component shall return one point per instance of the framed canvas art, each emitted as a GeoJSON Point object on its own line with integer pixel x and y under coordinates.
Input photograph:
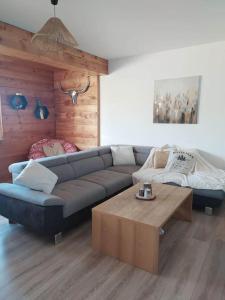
{"type": "Point", "coordinates": [177, 100]}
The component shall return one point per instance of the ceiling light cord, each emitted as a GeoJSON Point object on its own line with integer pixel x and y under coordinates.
{"type": "Point", "coordinates": [54, 3]}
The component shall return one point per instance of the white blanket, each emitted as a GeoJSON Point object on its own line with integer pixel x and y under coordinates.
{"type": "Point", "coordinates": [204, 175]}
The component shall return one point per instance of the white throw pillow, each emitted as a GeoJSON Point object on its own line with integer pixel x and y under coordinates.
{"type": "Point", "coordinates": [181, 162]}
{"type": "Point", "coordinates": [37, 177]}
{"type": "Point", "coordinates": [123, 155]}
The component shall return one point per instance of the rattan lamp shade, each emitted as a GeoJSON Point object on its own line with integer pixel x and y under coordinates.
{"type": "Point", "coordinates": [54, 36]}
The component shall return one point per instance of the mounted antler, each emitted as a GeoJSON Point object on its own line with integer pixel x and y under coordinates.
{"type": "Point", "coordinates": [73, 93]}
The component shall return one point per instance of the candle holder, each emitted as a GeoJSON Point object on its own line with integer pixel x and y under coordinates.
{"type": "Point", "coordinates": [145, 192]}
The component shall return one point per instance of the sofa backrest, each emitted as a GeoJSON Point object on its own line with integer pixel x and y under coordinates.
{"type": "Point", "coordinates": [57, 164]}
{"type": "Point", "coordinates": [141, 153]}
{"type": "Point", "coordinates": [106, 155]}
{"type": "Point", "coordinates": [86, 162]}
{"type": "Point", "coordinates": [67, 166]}
{"type": "Point", "coordinates": [72, 166]}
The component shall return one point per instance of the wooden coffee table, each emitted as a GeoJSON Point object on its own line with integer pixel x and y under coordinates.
{"type": "Point", "coordinates": [129, 229]}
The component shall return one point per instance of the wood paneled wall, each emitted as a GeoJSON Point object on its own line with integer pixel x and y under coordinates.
{"type": "Point", "coordinates": [15, 42]}
{"type": "Point", "coordinates": [21, 128]}
{"type": "Point", "coordinates": [36, 76]}
{"type": "Point", "coordinates": [77, 123]}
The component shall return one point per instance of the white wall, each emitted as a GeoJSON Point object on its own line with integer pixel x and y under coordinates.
{"type": "Point", "coordinates": [127, 100]}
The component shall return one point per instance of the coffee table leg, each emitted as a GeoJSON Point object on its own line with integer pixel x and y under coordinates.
{"type": "Point", "coordinates": [147, 248]}
{"type": "Point", "coordinates": [184, 212]}
{"type": "Point", "coordinates": [131, 242]}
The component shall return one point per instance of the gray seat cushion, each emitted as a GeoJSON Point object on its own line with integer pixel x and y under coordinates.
{"type": "Point", "coordinates": [78, 194]}
{"type": "Point", "coordinates": [112, 181]}
{"type": "Point", "coordinates": [127, 169]}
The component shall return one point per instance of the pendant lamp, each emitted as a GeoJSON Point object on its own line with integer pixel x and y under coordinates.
{"type": "Point", "coordinates": [54, 36]}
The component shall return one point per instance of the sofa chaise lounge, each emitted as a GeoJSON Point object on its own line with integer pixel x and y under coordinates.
{"type": "Point", "coordinates": [85, 179]}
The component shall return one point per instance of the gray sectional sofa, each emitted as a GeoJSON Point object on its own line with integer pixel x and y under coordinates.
{"type": "Point", "coordinates": [85, 179]}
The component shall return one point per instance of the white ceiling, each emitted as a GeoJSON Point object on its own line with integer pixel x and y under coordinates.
{"type": "Point", "coordinates": [117, 28]}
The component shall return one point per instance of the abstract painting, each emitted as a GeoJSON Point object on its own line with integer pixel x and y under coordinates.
{"type": "Point", "coordinates": [177, 100]}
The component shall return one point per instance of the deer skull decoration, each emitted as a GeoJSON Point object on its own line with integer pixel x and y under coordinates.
{"type": "Point", "coordinates": [74, 93]}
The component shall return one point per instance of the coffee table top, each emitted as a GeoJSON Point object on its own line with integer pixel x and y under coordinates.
{"type": "Point", "coordinates": [154, 213]}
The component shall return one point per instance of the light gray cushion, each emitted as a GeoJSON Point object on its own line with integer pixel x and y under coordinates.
{"type": "Point", "coordinates": [28, 195]}
{"type": "Point", "coordinates": [140, 158]}
{"type": "Point", "coordinates": [123, 155]}
{"type": "Point", "coordinates": [112, 181]}
{"type": "Point", "coordinates": [107, 159]}
{"type": "Point", "coordinates": [64, 172]}
{"type": "Point", "coordinates": [81, 155]}
{"type": "Point", "coordinates": [127, 169]}
{"type": "Point", "coordinates": [104, 150]}
{"type": "Point", "coordinates": [141, 153]}
{"type": "Point", "coordinates": [78, 194]}
{"type": "Point", "coordinates": [53, 161]}
{"type": "Point", "coordinates": [142, 149]}
{"type": "Point", "coordinates": [106, 155]}
{"type": "Point", "coordinates": [88, 165]}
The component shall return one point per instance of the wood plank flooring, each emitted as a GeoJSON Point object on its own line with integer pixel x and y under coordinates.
{"type": "Point", "coordinates": [192, 265]}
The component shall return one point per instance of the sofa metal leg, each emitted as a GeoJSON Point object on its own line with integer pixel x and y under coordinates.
{"type": "Point", "coordinates": [208, 211]}
{"type": "Point", "coordinates": [11, 221]}
{"type": "Point", "coordinates": [58, 238]}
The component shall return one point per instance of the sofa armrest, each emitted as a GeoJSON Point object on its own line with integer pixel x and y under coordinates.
{"type": "Point", "coordinates": [47, 220]}
{"type": "Point", "coordinates": [28, 195]}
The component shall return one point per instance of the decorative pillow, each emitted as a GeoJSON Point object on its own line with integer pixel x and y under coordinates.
{"type": "Point", "coordinates": [181, 162]}
{"type": "Point", "coordinates": [54, 150]}
{"type": "Point", "coordinates": [36, 150]}
{"type": "Point", "coordinates": [37, 177]}
{"type": "Point", "coordinates": [123, 155]}
{"type": "Point", "coordinates": [160, 159]}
